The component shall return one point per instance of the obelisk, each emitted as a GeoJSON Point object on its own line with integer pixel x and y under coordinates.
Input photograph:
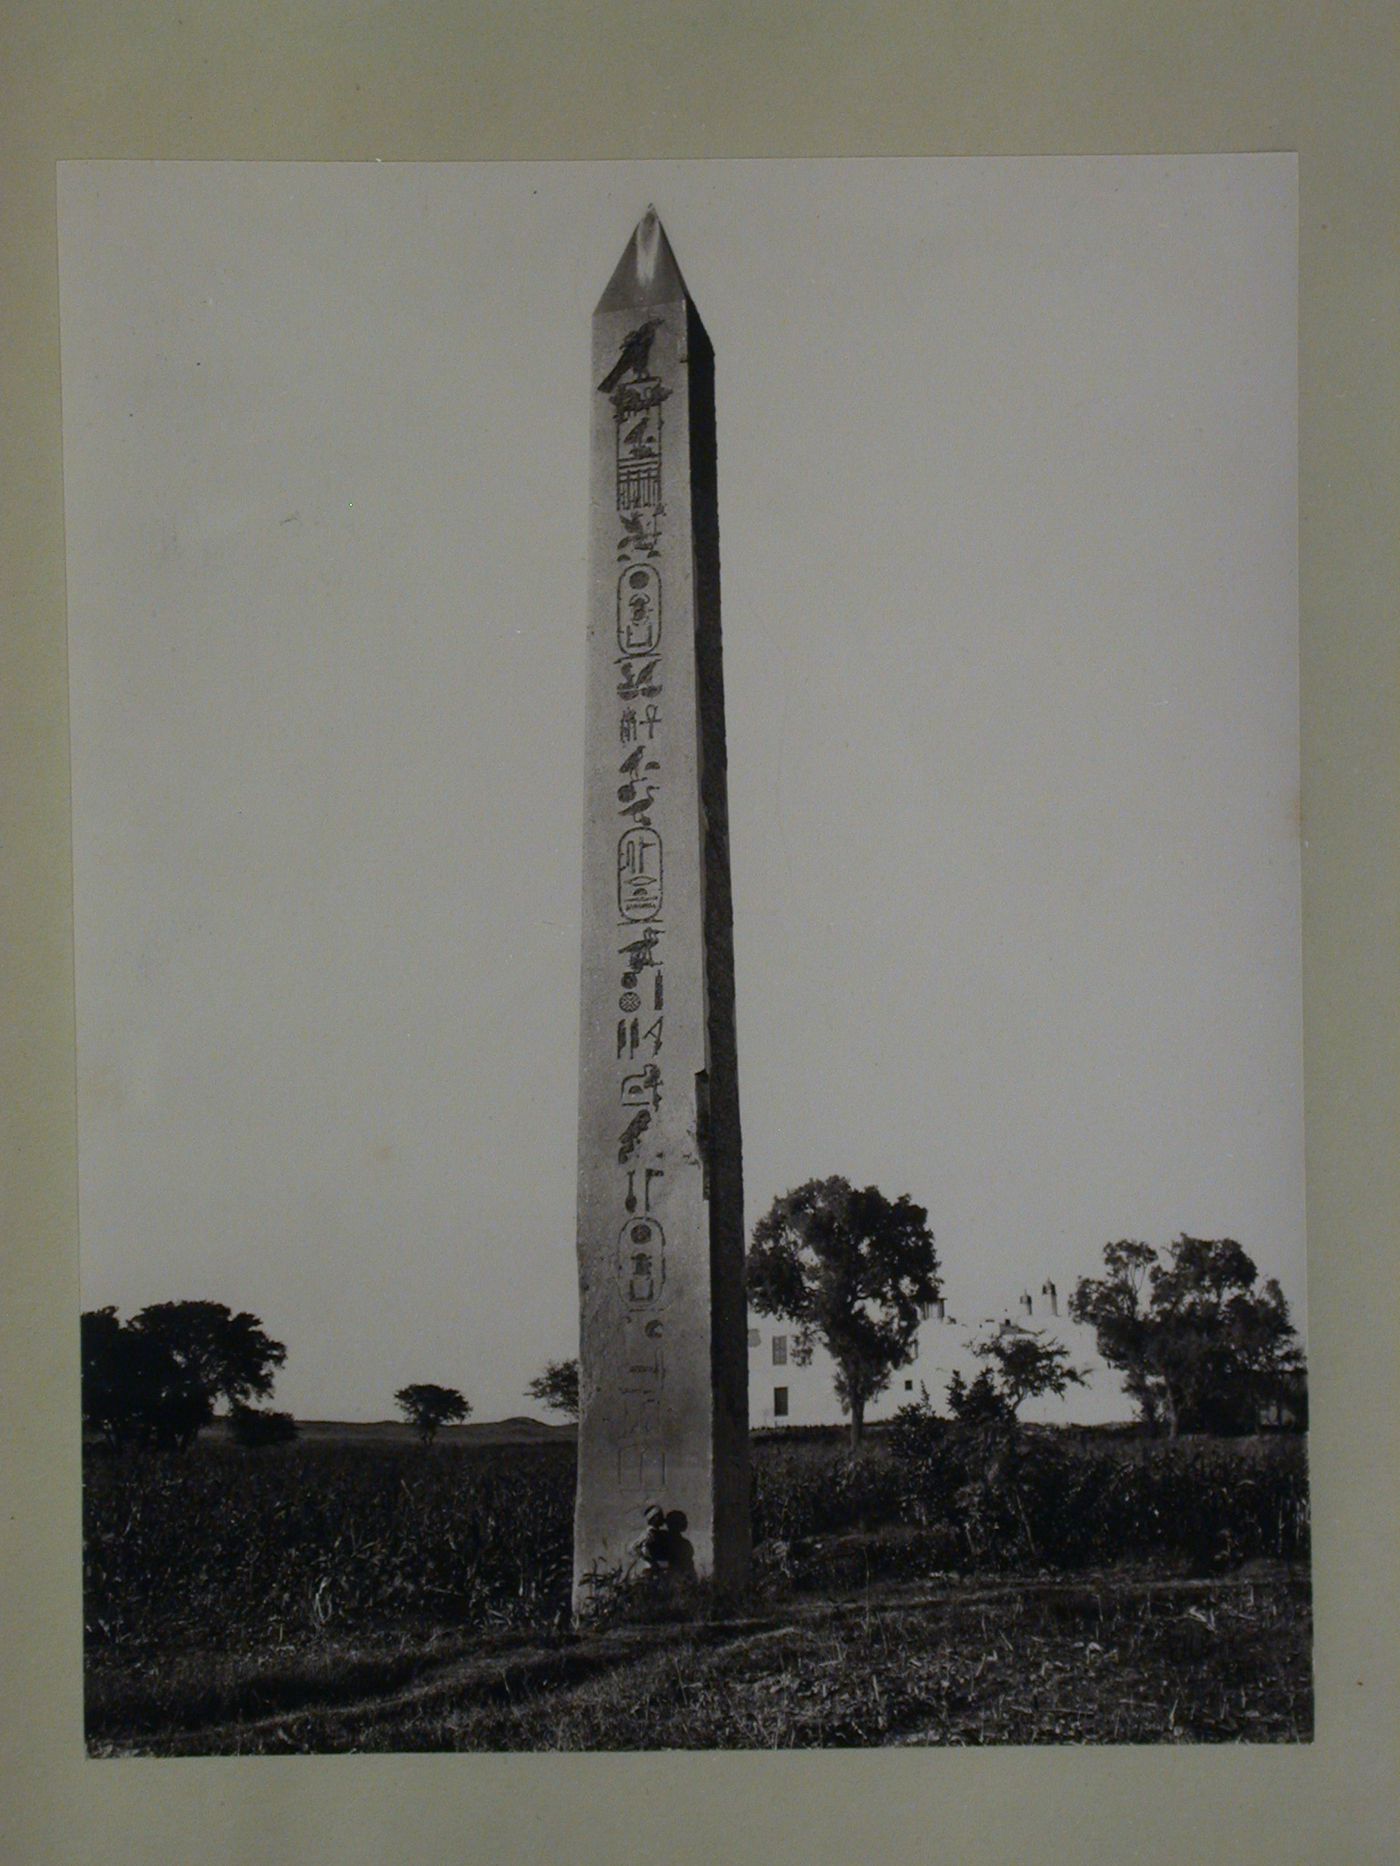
{"type": "Point", "coordinates": [663, 1360]}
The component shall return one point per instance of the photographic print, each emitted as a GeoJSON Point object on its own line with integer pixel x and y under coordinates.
{"type": "Point", "coordinates": [687, 840]}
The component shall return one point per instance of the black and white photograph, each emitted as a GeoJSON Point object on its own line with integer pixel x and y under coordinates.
{"type": "Point", "coordinates": [686, 860]}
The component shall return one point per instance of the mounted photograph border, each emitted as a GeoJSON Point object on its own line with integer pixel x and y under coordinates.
{"type": "Point", "coordinates": [318, 81]}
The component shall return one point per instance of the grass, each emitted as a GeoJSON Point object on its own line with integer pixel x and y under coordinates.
{"type": "Point", "coordinates": [1106, 1659]}
{"type": "Point", "coordinates": [362, 1592]}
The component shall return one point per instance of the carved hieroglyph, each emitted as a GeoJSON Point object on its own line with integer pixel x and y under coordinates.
{"type": "Point", "coordinates": [663, 1356]}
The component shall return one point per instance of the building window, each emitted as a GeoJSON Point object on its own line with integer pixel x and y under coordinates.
{"type": "Point", "coordinates": [909, 1386]}
{"type": "Point", "coordinates": [780, 1350]}
{"type": "Point", "coordinates": [780, 1410]}
{"type": "Point", "coordinates": [754, 1337]}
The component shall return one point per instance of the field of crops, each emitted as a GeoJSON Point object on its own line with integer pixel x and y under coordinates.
{"type": "Point", "coordinates": [278, 1546]}
{"type": "Point", "coordinates": [361, 1591]}
{"type": "Point", "coordinates": [284, 1546]}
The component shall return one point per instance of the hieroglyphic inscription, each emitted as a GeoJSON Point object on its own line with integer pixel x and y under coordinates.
{"type": "Point", "coordinates": [642, 1264]}
{"type": "Point", "coordinates": [639, 680]}
{"type": "Point", "coordinates": [630, 1033]}
{"type": "Point", "coordinates": [630, 1138]}
{"type": "Point", "coordinates": [639, 874]}
{"type": "Point", "coordinates": [637, 415]}
{"type": "Point", "coordinates": [639, 609]}
{"type": "Point", "coordinates": [642, 1087]}
{"type": "Point", "coordinates": [630, 728]}
{"type": "Point", "coordinates": [637, 393]}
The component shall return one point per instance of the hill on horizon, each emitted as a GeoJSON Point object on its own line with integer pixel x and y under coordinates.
{"type": "Point", "coordinates": [520, 1429]}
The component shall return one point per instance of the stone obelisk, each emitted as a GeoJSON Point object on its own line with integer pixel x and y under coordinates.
{"type": "Point", "coordinates": [663, 1426]}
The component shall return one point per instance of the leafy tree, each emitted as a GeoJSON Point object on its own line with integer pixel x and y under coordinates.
{"type": "Point", "coordinates": [426, 1407]}
{"type": "Point", "coordinates": [135, 1392]}
{"type": "Point", "coordinates": [1202, 1345]}
{"type": "Point", "coordinates": [557, 1387]}
{"type": "Point", "coordinates": [852, 1270]}
{"type": "Point", "coordinates": [1023, 1363]}
{"type": "Point", "coordinates": [227, 1356]}
{"type": "Point", "coordinates": [980, 1404]}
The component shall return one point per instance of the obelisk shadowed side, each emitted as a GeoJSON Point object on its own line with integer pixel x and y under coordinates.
{"type": "Point", "coordinates": [663, 1429]}
{"type": "Point", "coordinates": [729, 1314]}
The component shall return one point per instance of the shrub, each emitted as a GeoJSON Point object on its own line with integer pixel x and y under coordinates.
{"type": "Point", "coordinates": [253, 1426]}
{"type": "Point", "coordinates": [808, 1491]}
{"type": "Point", "coordinates": [1022, 1498]}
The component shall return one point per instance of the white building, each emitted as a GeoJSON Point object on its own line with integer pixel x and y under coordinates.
{"type": "Point", "coordinates": [782, 1392]}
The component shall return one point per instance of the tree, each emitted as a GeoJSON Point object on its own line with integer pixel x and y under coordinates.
{"type": "Point", "coordinates": [1201, 1344]}
{"type": "Point", "coordinates": [135, 1392]}
{"type": "Point", "coordinates": [426, 1407]}
{"type": "Point", "coordinates": [980, 1404]}
{"type": "Point", "coordinates": [557, 1387]}
{"type": "Point", "coordinates": [227, 1356]}
{"type": "Point", "coordinates": [852, 1270]}
{"type": "Point", "coordinates": [1023, 1363]}
{"type": "Point", "coordinates": [155, 1380]}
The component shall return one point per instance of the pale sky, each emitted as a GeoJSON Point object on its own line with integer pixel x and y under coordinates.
{"type": "Point", "coordinates": [1007, 481]}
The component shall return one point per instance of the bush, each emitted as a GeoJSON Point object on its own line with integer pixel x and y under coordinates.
{"type": "Point", "coordinates": [253, 1426]}
{"type": "Point", "coordinates": [813, 1490]}
{"type": "Point", "coordinates": [1022, 1498]}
